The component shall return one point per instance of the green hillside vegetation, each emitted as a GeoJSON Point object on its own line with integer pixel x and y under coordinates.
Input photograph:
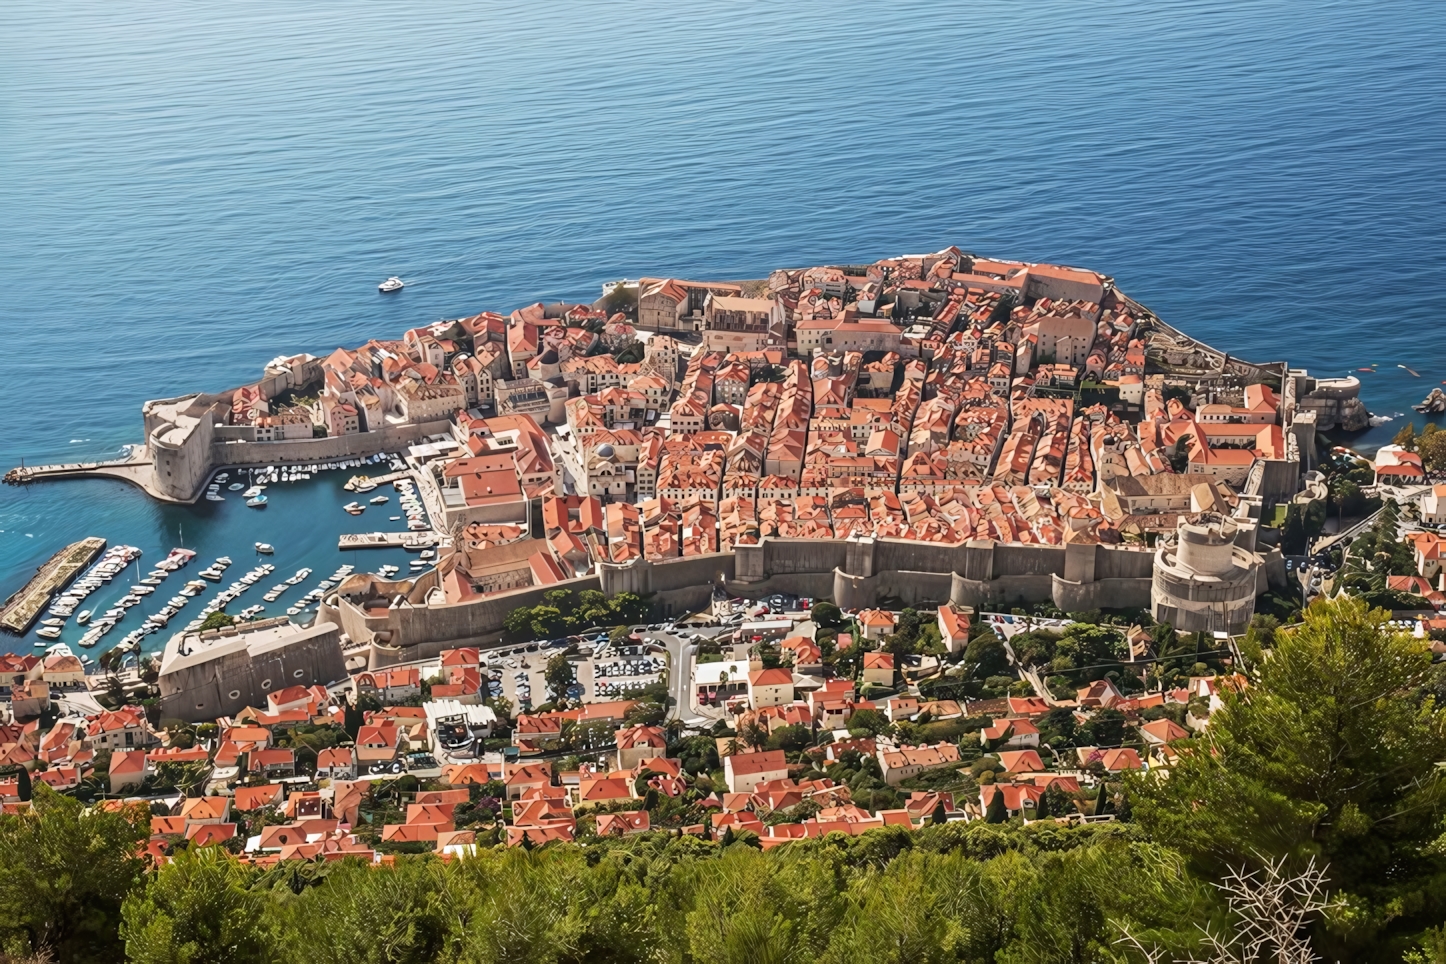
{"type": "Point", "coordinates": [1328, 758]}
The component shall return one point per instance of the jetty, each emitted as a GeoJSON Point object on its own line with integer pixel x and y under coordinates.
{"type": "Point", "coordinates": [21, 608]}
{"type": "Point", "coordinates": [387, 540]}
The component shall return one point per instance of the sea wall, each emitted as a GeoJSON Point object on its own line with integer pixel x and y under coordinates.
{"type": "Point", "coordinates": [359, 445]}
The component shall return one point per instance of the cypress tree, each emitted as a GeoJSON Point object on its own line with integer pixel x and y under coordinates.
{"type": "Point", "coordinates": [996, 813]}
{"type": "Point", "coordinates": [352, 720]}
{"type": "Point", "coordinates": [23, 784]}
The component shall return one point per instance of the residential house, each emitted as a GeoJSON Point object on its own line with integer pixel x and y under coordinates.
{"type": "Point", "coordinates": [879, 669]}
{"type": "Point", "coordinates": [745, 771]}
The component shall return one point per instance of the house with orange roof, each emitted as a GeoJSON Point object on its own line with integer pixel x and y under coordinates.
{"type": "Point", "coordinates": [620, 824]}
{"type": "Point", "coordinates": [254, 798]}
{"type": "Point", "coordinates": [770, 687]}
{"type": "Point", "coordinates": [605, 790]}
{"type": "Point", "coordinates": [1016, 796]}
{"type": "Point", "coordinates": [875, 623]}
{"type": "Point", "coordinates": [638, 743]}
{"type": "Point", "coordinates": [1010, 734]}
{"type": "Point", "coordinates": [521, 778]}
{"type": "Point", "coordinates": [1100, 694]}
{"type": "Point", "coordinates": [122, 729]}
{"type": "Point", "coordinates": [745, 771]}
{"type": "Point", "coordinates": [905, 762]}
{"type": "Point", "coordinates": [1163, 731]}
{"type": "Point", "coordinates": [1115, 760]}
{"type": "Point", "coordinates": [538, 836]}
{"type": "Point", "coordinates": [1429, 549]}
{"type": "Point", "coordinates": [878, 669]}
{"type": "Point", "coordinates": [954, 624]}
{"type": "Point", "coordinates": [129, 769]}
{"type": "Point", "coordinates": [206, 809]}
{"type": "Point", "coordinates": [273, 762]}
{"type": "Point", "coordinates": [336, 763]}
{"type": "Point", "coordinates": [1012, 762]}
{"type": "Point", "coordinates": [1030, 706]}
{"type": "Point", "coordinates": [60, 778]}
{"type": "Point", "coordinates": [204, 835]}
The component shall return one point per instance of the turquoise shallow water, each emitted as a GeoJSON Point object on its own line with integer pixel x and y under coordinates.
{"type": "Point", "coordinates": [190, 189]}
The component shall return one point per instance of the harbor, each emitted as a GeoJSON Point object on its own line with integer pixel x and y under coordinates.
{"type": "Point", "coordinates": [302, 530]}
{"type": "Point", "coordinates": [23, 608]}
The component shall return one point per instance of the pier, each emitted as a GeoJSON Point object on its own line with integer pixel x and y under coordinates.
{"type": "Point", "coordinates": [387, 540]}
{"type": "Point", "coordinates": [21, 609]}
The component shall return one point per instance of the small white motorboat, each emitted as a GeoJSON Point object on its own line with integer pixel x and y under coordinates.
{"type": "Point", "coordinates": [257, 503]}
{"type": "Point", "coordinates": [48, 632]}
{"type": "Point", "coordinates": [236, 486]}
{"type": "Point", "coordinates": [83, 618]}
{"type": "Point", "coordinates": [355, 508]}
{"type": "Point", "coordinates": [391, 284]}
{"type": "Point", "coordinates": [265, 548]}
{"type": "Point", "coordinates": [379, 500]}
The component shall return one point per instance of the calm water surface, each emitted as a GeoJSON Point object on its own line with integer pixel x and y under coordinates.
{"type": "Point", "coordinates": [191, 189]}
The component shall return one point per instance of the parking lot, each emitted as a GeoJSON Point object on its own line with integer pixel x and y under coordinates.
{"type": "Point", "coordinates": [602, 671]}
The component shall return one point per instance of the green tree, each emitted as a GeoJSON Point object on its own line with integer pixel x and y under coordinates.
{"type": "Point", "coordinates": [1432, 448]}
{"type": "Point", "coordinates": [1331, 754]}
{"type": "Point", "coordinates": [1406, 437]}
{"type": "Point", "coordinates": [986, 656]}
{"type": "Point", "coordinates": [826, 615]}
{"type": "Point", "coordinates": [559, 674]}
{"type": "Point", "coordinates": [197, 909]}
{"type": "Point", "coordinates": [871, 722]}
{"type": "Point", "coordinates": [64, 870]}
{"type": "Point", "coordinates": [791, 738]}
{"type": "Point", "coordinates": [219, 619]}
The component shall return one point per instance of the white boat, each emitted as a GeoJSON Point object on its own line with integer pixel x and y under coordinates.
{"type": "Point", "coordinates": [257, 503]}
{"type": "Point", "coordinates": [236, 486]}
{"type": "Point", "coordinates": [355, 508]}
{"type": "Point", "coordinates": [83, 618]}
{"type": "Point", "coordinates": [379, 500]}
{"type": "Point", "coordinates": [265, 547]}
{"type": "Point", "coordinates": [48, 632]}
{"type": "Point", "coordinates": [391, 284]}
{"type": "Point", "coordinates": [214, 496]}
{"type": "Point", "coordinates": [52, 622]}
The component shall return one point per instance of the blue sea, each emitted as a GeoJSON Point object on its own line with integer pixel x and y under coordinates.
{"type": "Point", "coordinates": [189, 189]}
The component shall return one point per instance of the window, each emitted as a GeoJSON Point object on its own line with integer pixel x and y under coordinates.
{"type": "Point", "coordinates": [266, 684]}
{"type": "Point", "coordinates": [298, 674]}
{"type": "Point", "coordinates": [234, 695]}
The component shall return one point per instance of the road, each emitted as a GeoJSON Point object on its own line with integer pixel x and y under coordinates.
{"type": "Point", "coordinates": [680, 668]}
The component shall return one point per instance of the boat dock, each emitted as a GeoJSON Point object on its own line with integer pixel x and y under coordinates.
{"type": "Point", "coordinates": [387, 479]}
{"type": "Point", "coordinates": [387, 540]}
{"type": "Point", "coordinates": [21, 609]}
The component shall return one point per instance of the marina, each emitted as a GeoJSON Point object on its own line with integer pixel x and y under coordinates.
{"type": "Point", "coordinates": [136, 601]}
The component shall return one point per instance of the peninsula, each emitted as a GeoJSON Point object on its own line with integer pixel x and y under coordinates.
{"type": "Point", "coordinates": [924, 429]}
